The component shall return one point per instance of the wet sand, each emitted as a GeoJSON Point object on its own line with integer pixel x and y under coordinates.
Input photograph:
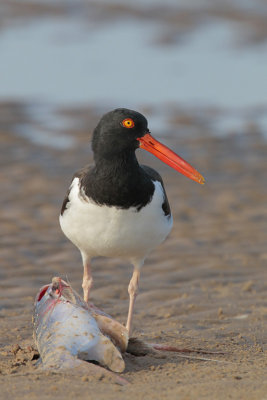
{"type": "Point", "coordinates": [204, 288]}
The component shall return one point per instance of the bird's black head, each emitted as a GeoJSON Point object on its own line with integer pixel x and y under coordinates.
{"type": "Point", "coordinates": [120, 132]}
{"type": "Point", "coordinates": [117, 132]}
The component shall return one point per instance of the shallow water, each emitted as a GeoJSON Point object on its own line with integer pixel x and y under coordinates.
{"type": "Point", "coordinates": [89, 56]}
{"type": "Point", "coordinates": [64, 62]}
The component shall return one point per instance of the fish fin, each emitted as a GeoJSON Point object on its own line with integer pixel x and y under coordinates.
{"type": "Point", "coordinates": [108, 355]}
{"type": "Point", "coordinates": [113, 329]}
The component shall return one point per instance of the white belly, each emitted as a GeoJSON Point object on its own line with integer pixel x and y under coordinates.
{"type": "Point", "coordinates": [112, 232]}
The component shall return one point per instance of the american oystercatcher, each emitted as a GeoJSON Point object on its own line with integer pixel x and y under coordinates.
{"type": "Point", "coordinates": [117, 207]}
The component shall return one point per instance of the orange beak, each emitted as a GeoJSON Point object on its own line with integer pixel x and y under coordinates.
{"type": "Point", "coordinates": [166, 155]}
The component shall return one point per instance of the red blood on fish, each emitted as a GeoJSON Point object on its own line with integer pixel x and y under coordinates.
{"type": "Point", "coordinates": [42, 293]}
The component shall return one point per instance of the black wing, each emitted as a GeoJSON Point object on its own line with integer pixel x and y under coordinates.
{"type": "Point", "coordinates": [155, 176]}
{"type": "Point", "coordinates": [79, 174]}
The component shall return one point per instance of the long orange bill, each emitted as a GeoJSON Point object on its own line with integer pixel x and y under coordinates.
{"type": "Point", "coordinates": [166, 155]}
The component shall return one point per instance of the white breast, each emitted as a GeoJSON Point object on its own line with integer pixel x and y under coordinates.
{"type": "Point", "coordinates": [100, 230]}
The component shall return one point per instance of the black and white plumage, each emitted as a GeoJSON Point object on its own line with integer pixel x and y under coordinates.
{"type": "Point", "coordinates": [116, 207]}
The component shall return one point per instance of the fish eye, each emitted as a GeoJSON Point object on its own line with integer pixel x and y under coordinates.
{"type": "Point", "coordinates": [128, 123]}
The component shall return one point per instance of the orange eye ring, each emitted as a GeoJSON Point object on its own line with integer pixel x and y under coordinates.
{"type": "Point", "coordinates": [128, 123]}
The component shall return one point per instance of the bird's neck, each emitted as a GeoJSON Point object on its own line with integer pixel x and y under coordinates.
{"type": "Point", "coordinates": [117, 163]}
{"type": "Point", "coordinates": [118, 181]}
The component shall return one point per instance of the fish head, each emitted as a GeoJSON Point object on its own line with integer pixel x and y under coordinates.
{"type": "Point", "coordinates": [57, 290]}
{"type": "Point", "coordinates": [62, 290]}
{"type": "Point", "coordinates": [49, 295]}
{"type": "Point", "coordinates": [45, 302]}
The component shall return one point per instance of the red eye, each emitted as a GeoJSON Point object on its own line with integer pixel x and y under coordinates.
{"type": "Point", "coordinates": [128, 123]}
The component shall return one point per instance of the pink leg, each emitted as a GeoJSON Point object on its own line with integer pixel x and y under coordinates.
{"type": "Point", "coordinates": [87, 279]}
{"type": "Point", "coordinates": [133, 291]}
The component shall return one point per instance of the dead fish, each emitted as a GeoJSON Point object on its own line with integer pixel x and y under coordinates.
{"type": "Point", "coordinates": [66, 333]}
{"type": "Point", "coordinates": [110, 327]}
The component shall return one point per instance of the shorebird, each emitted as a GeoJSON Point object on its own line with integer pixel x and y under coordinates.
{"type": "Point", "coordinates": [117, 207]}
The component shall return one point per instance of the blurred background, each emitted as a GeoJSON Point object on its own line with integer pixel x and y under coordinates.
{"type": "Point", "coordinates": [197, 70]}
{"type": "Point", "coordinates": [190, 64]}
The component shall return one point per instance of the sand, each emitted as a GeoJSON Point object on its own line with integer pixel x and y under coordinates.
{"type": "Point", "coordinates": [204, 288]}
